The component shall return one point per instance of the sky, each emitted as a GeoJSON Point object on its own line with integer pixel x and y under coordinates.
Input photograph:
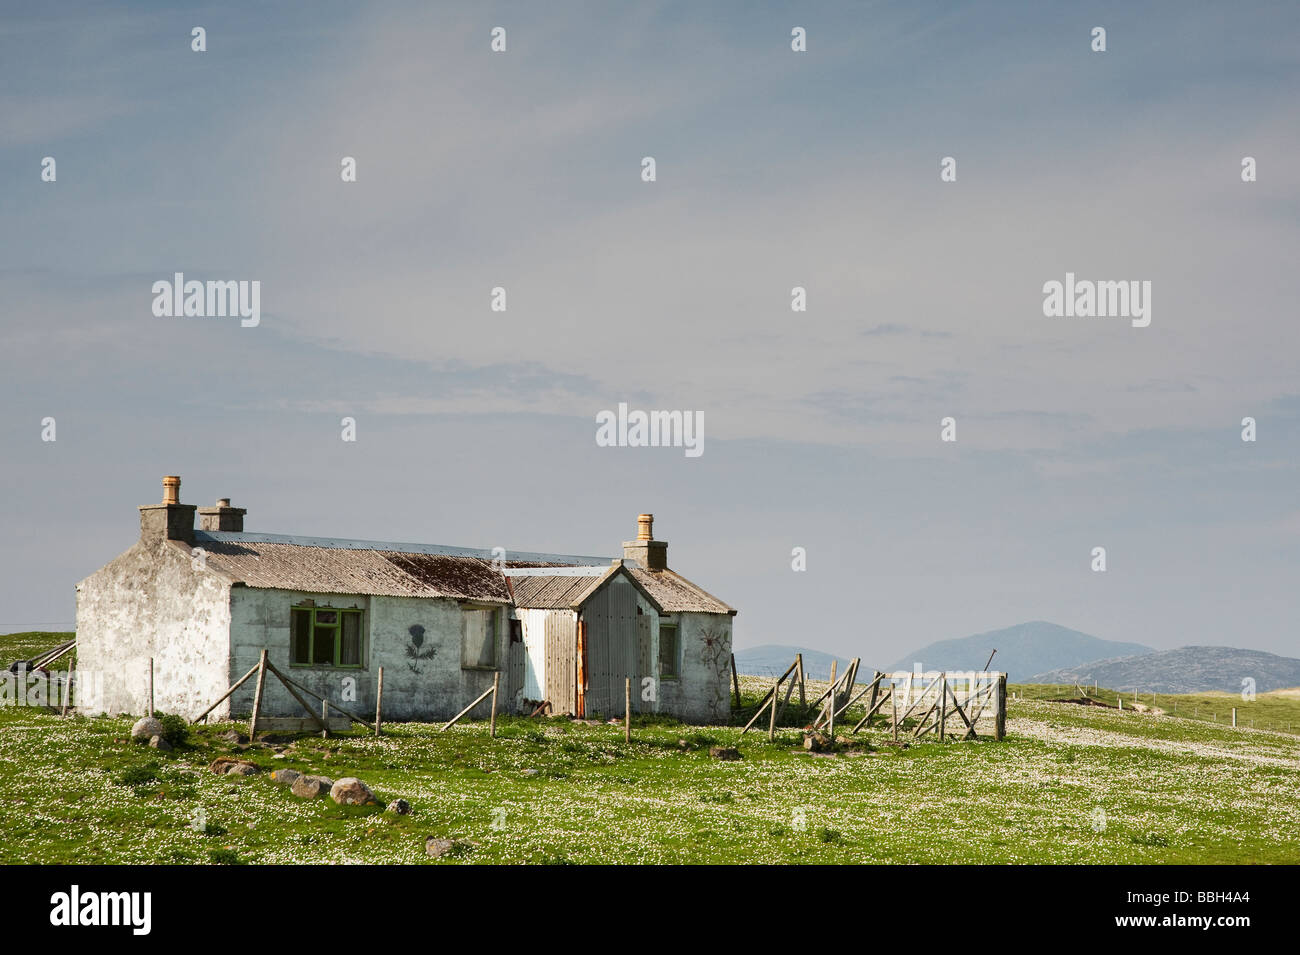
{"type": "Point", "coordinates": [774, 169]}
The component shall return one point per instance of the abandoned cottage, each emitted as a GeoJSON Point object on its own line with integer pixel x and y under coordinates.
{"type": "Point", "coordinates": [202, 602]}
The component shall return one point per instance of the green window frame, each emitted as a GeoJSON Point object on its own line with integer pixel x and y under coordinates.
{"type": "Point", "coordinates": [479, 630]}
{"type": "Point", "coordinates": [327, 637]}
{"type": "Point", "coordinates": [670, 651]}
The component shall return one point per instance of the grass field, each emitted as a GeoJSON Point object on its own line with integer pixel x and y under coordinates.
{"type": "Point", "coordinates": [1069, 784]}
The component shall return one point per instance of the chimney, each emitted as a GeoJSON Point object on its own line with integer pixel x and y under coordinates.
{"type": "Point", "coordinates": [170, 520]}
{"type": "Point", "coordinates": [223, 517]}
{"type": "Point", "coordinates": [645, 550]}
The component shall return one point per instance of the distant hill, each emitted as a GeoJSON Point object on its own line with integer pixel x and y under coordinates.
{"type": "Point", "coordinates": [1185, 670]}
{"type": "Point", "coordinates": [772, 660]}
{"type": "Point", "coordinates": [1024, 649]}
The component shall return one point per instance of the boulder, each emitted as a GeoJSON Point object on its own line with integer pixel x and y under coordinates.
{"type": "Point", "coordinates": [437, 847]}
{"type": "Point", "coordinates": [157, 742]}
{"type": "Point", "coordinates": [350, 791]}
{"type": "Point", "coordinates": [233, 736]}
{"type": "Point", "coordinates": [309, 787]}
{"type": "Point", "coordinates": [146, 728]}
{"type": "Point", "coordinates": [285, 777]}
{"type": "Point", "coordinates": [400, 806]}
{"type": "Point", "coordinates": [228, 766]}
{"type": "Point", "coordinates": [724, 752]}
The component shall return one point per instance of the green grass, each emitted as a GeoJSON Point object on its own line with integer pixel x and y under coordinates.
{"type": "Point", "coordinates": [1278, 710]}
{"type": "Point", "coordinates": [554, 791]}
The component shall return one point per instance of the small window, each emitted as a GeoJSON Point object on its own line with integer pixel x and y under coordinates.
{"type": "Point", "coordinates": [325, 637]}
{"type": "Point", "coordinates": [478, 646]}
{"type": "Point", "coordinates": [669, 651]}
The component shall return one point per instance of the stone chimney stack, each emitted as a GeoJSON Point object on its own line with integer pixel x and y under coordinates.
{"type": "Point", "coordinates": [223, 517]}
{"type": "Point", "coordinates": [170, 520]}
{"type": "Point", "coordinates": [645, 550]}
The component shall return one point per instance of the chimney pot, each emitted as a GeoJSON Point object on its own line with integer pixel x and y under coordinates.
{"type": "Point", "coordinates": [645, 527]}
{"type": "Point", "coordinates": [223, 502]}
{"type": "Point", "coordinates": [171, 489]}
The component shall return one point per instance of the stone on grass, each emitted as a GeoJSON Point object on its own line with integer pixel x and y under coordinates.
{"type": "Point", "coordinates": [285, 777]}
{"type": "Point", "coordinates": [309, 787]}
{"type": "Point", "coordinates": [400, 806]}
{"type": "Point", "coordinates": [350, 791]}
{"type": "Point", "coordinates": [724, 752]}
{"type": "Point", "coordinates": [146, 728]}
{"type": "Point", "coordinates": [228, 766]}
{"type": "Point", "coordinates": [157, 742]}
{"type": "Point", "coordinates": [437, 848]}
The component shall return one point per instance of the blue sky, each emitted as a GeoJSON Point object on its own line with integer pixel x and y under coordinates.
{"type": "Point", "coordinates": [775, 169]}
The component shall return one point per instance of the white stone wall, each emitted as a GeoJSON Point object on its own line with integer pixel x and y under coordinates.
{"type": "Point", "coordinates": [432, 687]}
{"type": "Point", "coordinates": [153, 601]}
{"type": "Point", "coordinates": [701, 694]}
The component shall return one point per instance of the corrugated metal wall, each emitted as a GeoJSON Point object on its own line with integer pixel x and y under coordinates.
{"type": "Point", "coordinates": [612, 647]}
{"type": "Point", "coordinates": [560, 667]}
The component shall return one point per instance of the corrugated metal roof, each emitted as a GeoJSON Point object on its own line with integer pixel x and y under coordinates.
{"type": "Point", "coordinates": [513, 558]}
{"type": "Point", "coordinates": [675, 594]}
{"type": "Point", "coordinates": [332, 566]}
{"type": "Point", "coordinates": [550, 591]}
{"type": "Point", "coordinates": [334, 570]}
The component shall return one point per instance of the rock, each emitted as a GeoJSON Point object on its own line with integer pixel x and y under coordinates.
{"type": "Point", "coordinates": [437, 848]}
{"type": "Point", "coordinates": [146, 728]}
{"type": "Point", "coordinates": [233, 736]}
{"type": "Point", "coordinates": [285, 777]}
{"type": "Point", "coordinates": [400, 806]}
{"type": "Point", "coordinates": [157, 742]}
{"type": "Point", "coordinates": [529, 772]}
{"type": "Point", "coordinates": [228, 766]}
{"type": "Point", "coordinates": [816, 742]}
{"type": "Point", "coordinates": [350, 791]}
{"type": "Point", "coordinates": [309, 787]}
{"type": "Point", "coordinates": [724, 752]}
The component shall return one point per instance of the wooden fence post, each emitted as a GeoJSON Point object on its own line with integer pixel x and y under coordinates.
{"type": "Point", "coordinates": [803, 699]}
{"type": "Point", "coordinates": [943, 704]}
{"type": "Point", "coordinates": [893, 706]}
{"type": "Point", "coordinates": [257, 696]}
{"type": "Point", "coordinates": [324, 719]}
{"type": "Point", "coordinates": [1001, 730]}
{"type": "Point", "coordinates": [67, 688]}
{"type": "Point", "coordinates": [771, 717]}
{"type": "Point", "coordinates": [379, 700]}
{"type": "Point", "coordinates": [1234, 716]}
{"type": "Point", "coordinates": [627, 709]}
{"type": "Point", "coordinates": [831, 693]}
{"type": "Point", "coordinates": [735, 681]}
{"type": "Point", "coordinates": [492, 720]}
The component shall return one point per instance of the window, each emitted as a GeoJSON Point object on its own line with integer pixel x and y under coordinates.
{"type": "Point", "coordinates": [325, 637]}
{"type": "Point", "coordinates": [478, 638]}
{"type": "Point", "coordinates": [669, 651]}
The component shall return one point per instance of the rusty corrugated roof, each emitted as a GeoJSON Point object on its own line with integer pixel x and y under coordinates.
{"type": "Point", "coordinates": [332, 570]}
{"type": "Point", "coordinates": [675, 594]}
{"type": "Point", "coordinates": [332, 566]}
